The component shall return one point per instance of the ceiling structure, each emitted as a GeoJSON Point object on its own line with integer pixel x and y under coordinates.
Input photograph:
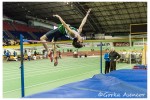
{"type": "Point", "coordinates": [105, 17]}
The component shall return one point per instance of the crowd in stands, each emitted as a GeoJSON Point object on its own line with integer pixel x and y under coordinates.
{"type": "Point", "coordinates": [32, 54]}
{"type": "Point", "coordinates": [15, 26]}
{"type": "Point", "coordinates": [7, 56]}
{"type": "Point", "coordinates": [12, 30]}
{"type": "Point", "coordinates": [29, 54]}
{"type": "Point", "coordinates": [136, 56]}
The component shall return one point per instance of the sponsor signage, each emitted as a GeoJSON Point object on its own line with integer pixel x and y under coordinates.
{"type": "Point", "coordinates": [121, 44]}
{"type": "Point", "coordinates": [139, 43]}
{"type": "Point", "coordinates": [104, 44]}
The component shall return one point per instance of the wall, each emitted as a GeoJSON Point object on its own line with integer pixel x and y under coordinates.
{"type": "Point", "coordinates": [36, 23]}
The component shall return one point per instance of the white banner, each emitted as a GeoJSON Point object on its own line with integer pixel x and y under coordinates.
{"type": "Point", "coordinates": [139, 43]}
{"type": "Point", "coordinates": [104, 44]}
{"type": "Point", "coordinates": [87, 44]}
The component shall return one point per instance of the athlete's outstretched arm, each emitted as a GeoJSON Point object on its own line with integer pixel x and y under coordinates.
{"type": "Point", "coordinates": [55, 52]}
{"type": "Point", "coordinates": [64, 24]}
{"type": "Point", "coordinates": [83, 21]}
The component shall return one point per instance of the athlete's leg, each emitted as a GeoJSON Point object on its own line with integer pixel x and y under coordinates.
{"type": "Point", "coordinates": [55, 54]}
{"type": "Point", "coordinates": [50, 55]}
{"type": "Point", "coordinates": [53, 34]}
{"type": "Point", "coordinates": [44, 38]}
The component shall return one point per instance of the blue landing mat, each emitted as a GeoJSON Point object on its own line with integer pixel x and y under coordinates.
{"type": "Point", "coordinates": [125, 83]}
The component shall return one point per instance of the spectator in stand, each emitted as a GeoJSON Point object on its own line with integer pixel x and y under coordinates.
{"type": "Point", "coordinates": [67, 50]}
{"type": "Point", "coordinates": [15, 53]}
{"type": "Point", "coordinates": [4, 51]}
{"type": "Point", "coordinates": [107, 61]}
{"type": "Point", "coordinates": [25, 51]}
{"type": "Point", "coordinates": [43, 51]}
{"type": "Point", "coordinates": [15, 58]}
{"type": "Point", "coordinates": [70, 50]}
{"type": "Point", "coordinates": [29, 55]}
{"type": "Point", "coordinates": [34, 57]}
{"type": "Point", "coordinates": [80, 55]}
{"type": "Point", "coordinates": [35, 53]}
{"type": "Point", "coordinates": [75, 54]}
{"type": "Point", "coordinates": [7, 55]}
{"type": "Point", "coordinates": [85, 55]}
{"type": "Point", "coordinates": [113, 56]}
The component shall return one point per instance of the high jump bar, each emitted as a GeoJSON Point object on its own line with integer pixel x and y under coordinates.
{"type": "Point", "coordinates": [25, 40]}
{"type": "Point", "coordinates": [85, 41]}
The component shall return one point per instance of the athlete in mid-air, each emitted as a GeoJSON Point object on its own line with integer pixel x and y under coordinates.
{"type": "Point", "coordinates": [65, 30]}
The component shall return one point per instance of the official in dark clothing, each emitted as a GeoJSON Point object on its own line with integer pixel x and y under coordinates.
{"type": "Point", "coordinates": [107, 61]}
{"type": "Point", "coordinates": [35, 53]}
{"type": "Point", "coordinates": [113, 56]}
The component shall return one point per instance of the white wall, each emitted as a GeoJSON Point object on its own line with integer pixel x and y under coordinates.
{"type": "Point", "coordinates": [116, 37]}
{"type": "Point", "coordinates": [139, 43]}
{"type": "Point", "coordinates": [36, 23]}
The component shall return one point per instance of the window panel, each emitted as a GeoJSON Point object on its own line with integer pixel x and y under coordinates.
{"type": "Point", "coordinates": [124, 11]}
{"type": "Point", "coordinates": [95, 9]}
{"type": "Point", "coordinates": [121, 6]}
{"type": "Point", "coordinates": [133, 4]}
{"type": "Point", "coordinates": [126, 16]}
{"type": "Point", "coordinates": [114, 12]}
{"type": "Point", "coordinates": [140, 4]}
{"type": "Point", "coordinates": [137, 15]}
{"type": "Point", "coordinates": [120, 12]}
{"type": "Point", "coordinates": [135, 9]}
{"type": "Point", "coordinates": [132, 15]}
{"type": "Point", "coordinates": [130, 10]}
{"type": "Point", "coordinates": [142, 9]}
{"type": "Point", "coordinates": [111, 7]}
{"type": "Point", "coordinates": [143, 14]}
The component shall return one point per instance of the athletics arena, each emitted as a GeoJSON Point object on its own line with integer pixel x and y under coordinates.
{"type": "Point", "coordinates": [30, 71]}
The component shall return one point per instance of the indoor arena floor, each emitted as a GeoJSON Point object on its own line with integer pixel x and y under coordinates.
{"type": "Point", "coordinates": [42, 75]}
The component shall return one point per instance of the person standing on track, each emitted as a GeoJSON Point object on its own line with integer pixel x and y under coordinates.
{"type": "Point", "coordinates": [7, 55]}
{"type": "Point", "coordinates": [29, 55]}
{"type": "Point", "coordinates": [107, 61]}
{"type": "Point", "coordinates": [113, 56]}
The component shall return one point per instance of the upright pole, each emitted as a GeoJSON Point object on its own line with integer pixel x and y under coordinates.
{"type": "Point", "coordinates": [143, 42]}
{"type": "Point", "coordinates": [22, 66]}
{"type": "Point", "coordinates": [130, 47]}
{"type": "Point", "coordinates": [101, 57]}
